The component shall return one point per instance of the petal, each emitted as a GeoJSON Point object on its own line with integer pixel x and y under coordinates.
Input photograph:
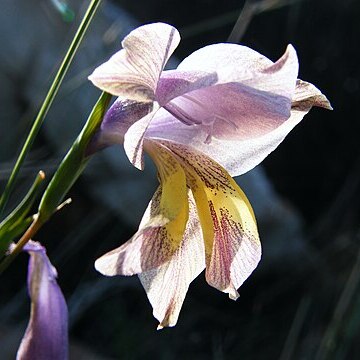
{"type": "Point", "coordinates": [173, 83]}
{"type": "Point", "coordinates": [232, 245]}
{"type": "Point", "coordinates": [238, 156]}
{"type": "Point", "coordinates": [162, 227]}
{"type": "Point", "coordinates": [306, 96]}
{"type": "Point", "coordinates": [237, 63]}
{"type": "Point", "coordinates": [134, 71]}
{"type": "Point", "coordinates": [249, 101]}
{"type": "Point", "coordinates": [167, 285]}
{"type": "Point", "coordinates": [46, 335]}
{"type": "Point", "coordinates": [231, 111]}
{"type": "Point", "coordinates": [118, 119]}
{"type": "Point", "coordinates": [134, 139]}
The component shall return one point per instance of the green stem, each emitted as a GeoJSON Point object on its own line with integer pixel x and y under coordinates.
{"type": "Point", "coordinates": [30, 232]}
{"type": "Point", "coordinates": [48, 100]}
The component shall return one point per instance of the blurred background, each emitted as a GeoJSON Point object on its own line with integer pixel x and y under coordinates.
{"type": "Point", "coordinates": [303, 300]}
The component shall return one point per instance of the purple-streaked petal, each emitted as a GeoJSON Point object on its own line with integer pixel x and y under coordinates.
{"type": "Point", "coordinates": [167, 285]}
{"type": "Point", "coordinates": [249, 101]}
{"type": "Point", "coordinates": [134, 71]}
{"type": "Point", "coordinates": [46, 336]}
{"type": "Point", "coordinates": [236, 63]}
{"type": "Point", "coordinates": [162, 228]}
{"type": "Point", "coordinates": [238, 156]}
{"type": "Point", "coordinates": [232, 245]}
{"type": "Point", "coordinates": [231, 111]}
{"type": "Point", "coordinates": [174, 83]}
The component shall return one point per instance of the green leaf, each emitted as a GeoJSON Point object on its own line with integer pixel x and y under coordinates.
{"type": "Point", "coordinates": [90, 12]}
{"type": "Point", "coordinates": [17, 221]}
{"type": "Point", "coordinates": [74, 162]}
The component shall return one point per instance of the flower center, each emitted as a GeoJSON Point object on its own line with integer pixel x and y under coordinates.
{"type": "Point", "coordinates": [191, 111]}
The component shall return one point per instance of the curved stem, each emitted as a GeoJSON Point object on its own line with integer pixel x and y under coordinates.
{"type": "Point", "coordinates": [49, 99]}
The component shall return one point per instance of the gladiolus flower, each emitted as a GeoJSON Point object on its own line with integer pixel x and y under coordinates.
{"type": "Point", "coordinates": [46, 336]}
{"type": "Point", "coordinates": [223, 110]}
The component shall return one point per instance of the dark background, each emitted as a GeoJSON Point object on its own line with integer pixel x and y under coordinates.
{"type": "Point", "coordinates": [305, 308]}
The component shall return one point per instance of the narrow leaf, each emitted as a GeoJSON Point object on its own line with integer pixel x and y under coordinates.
{"type": "Point", "coordinates": [74, 162]}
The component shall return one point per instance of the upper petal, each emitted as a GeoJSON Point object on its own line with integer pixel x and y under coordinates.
{"type": "Point", "coordinates": [162, 228]}
{"type": "Point", "coordinates": [174, 83]}
{"type": "Point", "coordinates": [252, 95]}
{"type": "Point", "coordinates": [167, 285]}
{"type": "Point", "coordinates": [46, 336]}
{"type": "Point", "coordinates": [133, 72]}
{"type": "Point", "coordinates": [237, 63]}
{"type": "Point", "coordinates": [239, 156]}
{"type": "Point", "coordinates": [231, 111]}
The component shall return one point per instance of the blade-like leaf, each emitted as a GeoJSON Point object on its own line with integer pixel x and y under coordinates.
{"type": "Point", "coordinates": [74, 162]}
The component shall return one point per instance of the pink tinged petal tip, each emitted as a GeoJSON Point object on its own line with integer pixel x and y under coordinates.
{"type": "Point", "coordinates": [46, 336]}
{"type": "Point", "coordinates": [134, 71]}
{"type": "Point", "coordinates": [306, 96]}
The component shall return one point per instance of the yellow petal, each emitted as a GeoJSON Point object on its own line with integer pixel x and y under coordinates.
{"type": "Point", "coordinates": [228, 223]}
{"type": "Point", "coordinates": [163, 225]}
{"type": "Point", "coordinates": [173, 205]}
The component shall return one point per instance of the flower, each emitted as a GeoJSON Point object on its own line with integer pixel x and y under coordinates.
{"type": "Point", "coordinates": [223, 110]}
{"type": "Point", "coordinates": [46, 336]}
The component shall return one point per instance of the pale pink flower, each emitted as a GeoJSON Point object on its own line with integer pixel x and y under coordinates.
{"type": "Point", "coordinates": [223, 110]}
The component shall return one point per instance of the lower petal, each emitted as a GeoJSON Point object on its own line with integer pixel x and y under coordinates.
{"type": "Point", "coordinates": [236, 249]}
{"type": "Point", "coordinates": [162, 228]}
{"type": "Point", "coordinates": [228, 223]}
{"type": "Point", "coordinates": [167, 285]}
